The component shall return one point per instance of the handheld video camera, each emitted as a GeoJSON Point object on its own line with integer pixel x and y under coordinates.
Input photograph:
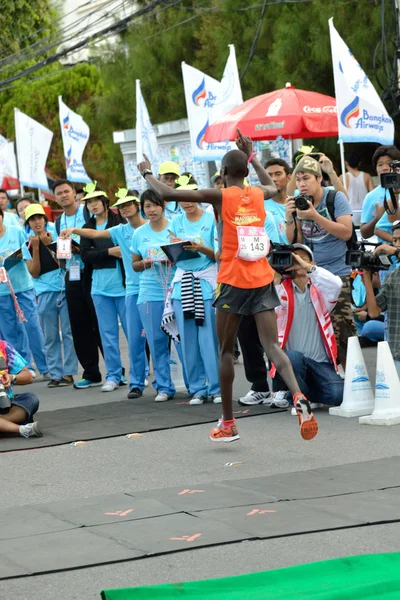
{"type": "Point", "coordinates": [301, 201]}
{"type": "Point", "coordinates": [281, 258]}
{"type": "Point", "coordinates": [367, 261]}
{"type": "Point", "coordinates": [391, 181]}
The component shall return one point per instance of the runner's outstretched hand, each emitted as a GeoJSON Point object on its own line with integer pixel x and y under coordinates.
{"type": "Point", "coordinates": [244, 143]}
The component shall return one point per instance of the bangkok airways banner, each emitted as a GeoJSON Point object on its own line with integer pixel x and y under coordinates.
{"type": "Point", "coordinates": [207, 100]}
{"type": "Point", "coordinates": [33, 145]}
{"type": "Point", "coordinates": [75, 135]}
{"type": "Point", "coordinates": [362, 116]}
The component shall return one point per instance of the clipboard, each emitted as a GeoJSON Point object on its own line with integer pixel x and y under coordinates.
{"type": "Point", "coordinates": [47, 258]}
{"type": "Point", "coordinates": [176, 252]}
{"type": "Point", "coordinates": [13, 259]}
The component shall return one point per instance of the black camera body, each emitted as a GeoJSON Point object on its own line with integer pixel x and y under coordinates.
{"type": "Point", "coordinates": [367, 261]}
{"type": "Point", "coordinates": [301, 201]}
{"type": "Point", "coordinates": [281, 258]}
{"type": "Point", "coordinates": [390, 181]}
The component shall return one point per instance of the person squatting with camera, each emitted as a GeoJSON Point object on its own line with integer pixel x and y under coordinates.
{"type": "Point", "coordinates": [307, 294]}
{"type": "Point", "coordinates": [16, 411]}
{"type": "Point", "coordinates": [321, 219]}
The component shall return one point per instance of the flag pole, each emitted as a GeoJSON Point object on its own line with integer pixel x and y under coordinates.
{"type": "Point", "coordinates": [343, 165]}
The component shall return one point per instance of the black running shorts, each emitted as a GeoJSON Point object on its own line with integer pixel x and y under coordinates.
{"type": "Point", "coordinates": [245, 301]}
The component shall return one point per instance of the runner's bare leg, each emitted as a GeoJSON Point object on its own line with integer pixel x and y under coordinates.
{"type": "Point", "coordinates": [268, 334]}
{"type": "Point", "coordinates": [227, 327]}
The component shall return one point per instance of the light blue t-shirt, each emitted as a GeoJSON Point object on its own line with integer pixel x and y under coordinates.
{"type": "Point", "coordinates": [76, 220]}
{"type": "Point", "coordinates": [204, 232]}
{"type": "Point", "coordinates": [278, 212]}
{"type": "Point", "coordinates": [384, 224]}
{"type": "Point", "coordinates": [121, 236]}
{"type": "Point", "coordinates": [377, 196]}
{"type": "Point", "coordinates": [271, 228]}
{"type": "Point", "coordinates": [170, 211]}
{"type": "Point", "coordinates": [11, 219]}
{"type": "Point", "coordinates": [49, 282]}
{"type": "Point", "coordinates": [153, 283]}
{"type": "Point", "coordinates": [329, 251]}
{"type": "Point", "coordinates": [21, 281]}
{"type": "Point", "coordinates": [107, 282]}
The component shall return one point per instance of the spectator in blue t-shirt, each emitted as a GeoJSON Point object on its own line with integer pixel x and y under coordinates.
{"type": "Point", "coordinates": [373, 209]}
{"type": "Point", "coordinates": [327, 239]}
{"type": "Point", "coordinates": [16, 411]}
{"type": "Point", "coordinates": [279, 171]}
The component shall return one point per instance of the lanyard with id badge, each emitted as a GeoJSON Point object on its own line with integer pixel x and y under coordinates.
{"type": "Point", "coordinates": [253, 243]}
{"type": "Point", "coordinates": [64, 252]}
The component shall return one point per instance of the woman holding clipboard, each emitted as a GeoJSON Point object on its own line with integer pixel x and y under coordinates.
{"type": "Point", "coordinates": [48, 281]}
{"type": "Point", "coordinates": [193, 290]}
{"type": "Point", "coordinates": [156, 273]}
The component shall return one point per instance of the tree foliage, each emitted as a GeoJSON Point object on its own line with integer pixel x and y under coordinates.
{"type": "Point", "coordinates": [22, 22]}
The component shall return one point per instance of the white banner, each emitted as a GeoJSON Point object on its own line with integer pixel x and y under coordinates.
{"type": "Point", "coordinates": [75, 135]}
{"type": "Point", "coordinates": [33, 145]}
{"type": "Point", "coordinates": [362, 116]}
{"type": "Point", "coordinates": [3, 158]}
{"type": "Point", "coordinates": [207, 100]}
{"type": "Point", "coordinates": [146, 139]}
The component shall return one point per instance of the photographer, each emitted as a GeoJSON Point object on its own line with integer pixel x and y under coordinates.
{"type": "Point", "coordinates": [16, 412]}
{"type": "Point", "coordinates": [388, 298]}
{"type": "Point", "coordinates": [305, 330]}
{"type": "Point", "coordinates": [373, 208]}
{"type": "Point", "coordinates": [321, 218]}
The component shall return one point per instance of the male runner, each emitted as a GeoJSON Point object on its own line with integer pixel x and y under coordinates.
{"type": "Point", "coordinates": [245, 287]}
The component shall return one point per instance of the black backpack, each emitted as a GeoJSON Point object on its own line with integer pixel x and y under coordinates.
{"type": "Point", "coordinates": [57, 222]}
{"type": "Point", "coordinates": [330, 205]}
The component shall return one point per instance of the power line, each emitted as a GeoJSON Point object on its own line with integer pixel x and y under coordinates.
{"type": "Point", "coordinates": [255, 41]}
{"type": "Point", "coordinates": [115, 28]}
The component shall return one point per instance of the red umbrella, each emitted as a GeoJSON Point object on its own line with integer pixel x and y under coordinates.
{"type": "Point", "coordinates": [289, 112]}
{"type": "Point", "coordinates": [10, 183]}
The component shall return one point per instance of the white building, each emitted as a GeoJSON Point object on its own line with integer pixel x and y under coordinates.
{"type": "Point", "coordinates": [84, 18]}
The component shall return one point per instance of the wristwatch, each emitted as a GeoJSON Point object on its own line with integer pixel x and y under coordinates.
{"type": "Point", "coordinates": [146, 172]}
{"type": "Point", "coordinates": [312, 269]}
{"type": "Point", "coordinates": [13, 379]}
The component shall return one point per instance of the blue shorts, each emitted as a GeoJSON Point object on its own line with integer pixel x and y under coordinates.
{"type": "Point", "coordinates": [28, 401]}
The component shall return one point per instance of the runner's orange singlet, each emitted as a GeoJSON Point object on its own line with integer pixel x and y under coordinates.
{"type": "Point", "coordinates": [242, 207]}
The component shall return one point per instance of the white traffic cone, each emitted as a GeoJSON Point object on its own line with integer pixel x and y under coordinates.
{"type": "Point", "coordinates": [358, 397]}
{"type": "Point", "coordinates": [387, 390]}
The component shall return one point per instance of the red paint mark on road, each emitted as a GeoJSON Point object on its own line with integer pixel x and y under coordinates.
{"type": "Point", "coordinates": [190, 492]}
{"type": "Point", "coordinates": [186, 538]}
{"type": "Point", "coordinates": [257, 511]}
{"type": "Point", "coordinates": [120, 513]}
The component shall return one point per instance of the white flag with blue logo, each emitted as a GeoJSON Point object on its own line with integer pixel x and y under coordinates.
{"type": "Point", "coordinates": [33, 146]}
{"type": "Point", "coordinates": [146, 139]}
{"type": "Point", "coordinates": [362, 116]}
{"type": "Point", "coordinates": [207, 100]}
{"type": "Point", "coordinates": [75, 135]}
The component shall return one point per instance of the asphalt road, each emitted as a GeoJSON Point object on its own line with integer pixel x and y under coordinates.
{"type": "Point", "coordinates": [269, 445]}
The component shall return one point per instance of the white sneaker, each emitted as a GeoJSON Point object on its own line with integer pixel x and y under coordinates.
{"type": "Point", "coordinates": [30, 430]}
{"type": "Point", "coordinates": [252, 398]}
{"type": "Point", "coordinates": [279, 400]}
{"type": "Point", "coordinates": [216, 399]}
{"type": "Point", "coordinates": [197, 399]}
{"type": "Point", "coordinates": [33, 373]}
{"type": "Point", "coordinates": [146, 382]}
{"type": "Point", "coordinates": [162, 397]}
{"type": "Point", "coordinates": [109, 386]}
{"type": "Point", "coordinates": [313, 406]}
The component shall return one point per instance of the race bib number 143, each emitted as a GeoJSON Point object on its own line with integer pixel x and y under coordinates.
{"type": "Point", "coordinates": [253, 243]}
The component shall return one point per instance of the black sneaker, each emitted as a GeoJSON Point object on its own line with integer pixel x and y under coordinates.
{"type": "Point", "coordinates": [53, 383]}
{"type": "Point", "coordinates": [135, 393]}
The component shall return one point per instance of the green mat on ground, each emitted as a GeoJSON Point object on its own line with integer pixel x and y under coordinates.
{"type": "Point", "coordinates": [371, 577]}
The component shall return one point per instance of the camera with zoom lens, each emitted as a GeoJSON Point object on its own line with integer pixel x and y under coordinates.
{"type": "Point", "coordinates": [368, 261]}
{"type": "Point", "coordinates": [301, 201]}
{"type": "Point", "coordinates": [391, 180]}
{"type": "Point", "coordinates": [281, 258]}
